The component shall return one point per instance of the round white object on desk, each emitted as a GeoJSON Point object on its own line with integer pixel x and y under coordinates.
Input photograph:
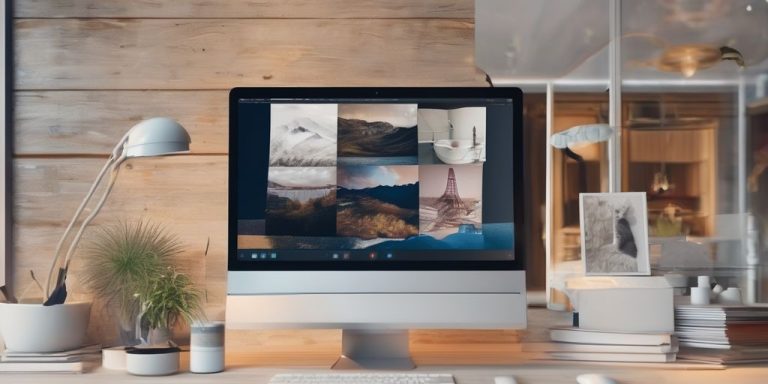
{"type": "Point", "coordinates": [731, 296]}
{"type": "Point", "coordinates": [152, 361]}
{"type": "Point", "coordinates": [714, 297]}
{"type": "Point", "coordinates": [700, 295]}
{"type": "Point", "coordinates": [36, 328]}
{"type": "Point", "coordinates": [594, 378]}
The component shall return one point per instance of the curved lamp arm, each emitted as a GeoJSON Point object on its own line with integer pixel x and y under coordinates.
{"type": "Point", "coordinates": [157, 136]}
{"type": "Point", "coordinates": [114, 160]}
{"type": "Point", "coordinates": [107, 191]}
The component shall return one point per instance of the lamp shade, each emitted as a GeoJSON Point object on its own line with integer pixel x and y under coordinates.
{"type": "Point", "coordinates": [582, 134]}
{"type": "Point", "coordinates": [156, 137]}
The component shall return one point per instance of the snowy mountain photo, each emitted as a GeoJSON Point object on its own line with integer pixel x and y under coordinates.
{"type": "Point", "coordinates": [303, 135]}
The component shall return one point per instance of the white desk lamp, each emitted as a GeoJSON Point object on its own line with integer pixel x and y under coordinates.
{"type": "Point", "coordinates": [582, 134]}
{"type": "Point", "coordinates": [157, 136]}
{"type": "Point", "coordinates": [577, 136]}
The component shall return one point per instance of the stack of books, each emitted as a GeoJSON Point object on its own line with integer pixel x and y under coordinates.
{"type": "Point", "coordinates": [73, 361]}
{"type": "Point", "coordinates": [724, 335]}
{"type": "Point", "coordinates": [578, 344]}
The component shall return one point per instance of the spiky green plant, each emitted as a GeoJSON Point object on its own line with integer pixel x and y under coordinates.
{"type": "Point", "coordinates": [171, 299]}
{"type": "Point", "coordinates": [123, 260]}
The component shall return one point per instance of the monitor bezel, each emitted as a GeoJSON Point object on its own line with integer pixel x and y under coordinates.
{"type": "Point", "coordinates": [518, 169]}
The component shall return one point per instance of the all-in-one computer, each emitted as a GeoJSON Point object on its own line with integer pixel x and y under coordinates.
{"type": "Point", "coordinates": [376, 210]}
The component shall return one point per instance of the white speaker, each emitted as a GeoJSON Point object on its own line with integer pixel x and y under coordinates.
{"type": "Point", "coordinates": [206, 351]}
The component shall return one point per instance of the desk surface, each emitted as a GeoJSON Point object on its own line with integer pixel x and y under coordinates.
{"type": "Point", "coordinates": [475, 361]}
{"type": "Point", "coordinates": [525, 373]}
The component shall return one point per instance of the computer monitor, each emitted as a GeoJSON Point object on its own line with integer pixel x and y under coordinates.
{"type": "Point", "coordinates": [377, 211]}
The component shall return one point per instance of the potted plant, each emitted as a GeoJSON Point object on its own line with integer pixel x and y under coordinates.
{"type": "Point", "coordinates": [128, 265]}
{"type": "Point", "coordinates": [121, 264]}
{"type": "Point", "coordinates": [27, 327]}
{"type": "Point", "coordinates": [171, 299]}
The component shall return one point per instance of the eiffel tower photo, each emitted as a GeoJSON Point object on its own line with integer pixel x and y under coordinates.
{"type": "Point", "coordinates": [451, 209]}
{"type": "Point", "coordinates": [450, 198]}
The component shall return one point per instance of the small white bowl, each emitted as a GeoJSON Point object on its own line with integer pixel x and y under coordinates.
{"type": "Point", "coordinates": [39, 329]}
{"type": "Point", "coordinates": [152, 361]}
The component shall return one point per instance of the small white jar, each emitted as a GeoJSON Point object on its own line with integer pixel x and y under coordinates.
{"type": "Point", "coordinates": [206, 350]}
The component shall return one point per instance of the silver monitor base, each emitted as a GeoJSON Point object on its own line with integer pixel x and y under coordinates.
{"type": "Point", "coordinates": [374, 349]}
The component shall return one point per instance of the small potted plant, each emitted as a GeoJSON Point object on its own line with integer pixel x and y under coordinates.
{"type": "Point", "coordinates": [170, 299]}
{"type": "Point", "coordinates": [128, 265]}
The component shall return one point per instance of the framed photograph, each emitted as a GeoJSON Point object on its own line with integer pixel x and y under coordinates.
{"type": "Point", "coordinates": [614, 228]}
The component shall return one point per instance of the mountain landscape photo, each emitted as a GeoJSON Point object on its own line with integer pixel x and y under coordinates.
{"type": "Point", "coordinates": [377, 134]}
{"type": "Point", "coordinates": [377, 202]}
{"type": "Point", "coordinates": [303, 135]}
{"type": "Point", "coordinates": [301, 201]}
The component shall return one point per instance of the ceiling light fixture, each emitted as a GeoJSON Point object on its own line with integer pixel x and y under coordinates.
{"type": "Point", "coordinates": [688, 58]}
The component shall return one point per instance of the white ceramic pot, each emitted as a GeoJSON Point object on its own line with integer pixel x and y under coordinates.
{"type": "Point", "coordinates": [152, 361]}
{"type": "Point", "coordinates": [39, 329]}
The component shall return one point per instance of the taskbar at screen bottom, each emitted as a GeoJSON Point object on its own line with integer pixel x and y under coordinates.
{"type": "Point", "coordinates": [283, 255]}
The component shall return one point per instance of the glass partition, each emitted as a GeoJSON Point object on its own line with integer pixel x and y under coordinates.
{"type": "Point", "coordinates": [689, 69]}
{"type": "Point", "coordinates": [581, 168]}
{"type": "Point", "coordinates": [683, 84]}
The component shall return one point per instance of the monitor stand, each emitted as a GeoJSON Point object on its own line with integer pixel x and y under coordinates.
{"type": "Point", "coordinates": [374, 349]}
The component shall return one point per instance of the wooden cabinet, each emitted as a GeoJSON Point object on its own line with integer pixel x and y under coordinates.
{"type": "Point", "coordinates": [685, 156]}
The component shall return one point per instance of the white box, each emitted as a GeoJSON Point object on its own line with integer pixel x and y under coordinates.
{"type": "Point", "coordinates": [625, 305]}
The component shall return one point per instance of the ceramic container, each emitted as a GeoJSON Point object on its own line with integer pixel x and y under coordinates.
{"type": "Point", "coordinates": [39, 329]}
{"type": "Point", "coordinates": [206, 350]}
{"type": "Point", "coordinates": [152, 361]}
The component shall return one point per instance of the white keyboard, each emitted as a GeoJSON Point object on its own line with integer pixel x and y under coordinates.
{"type": "Point", "coordinates": [362, 378]}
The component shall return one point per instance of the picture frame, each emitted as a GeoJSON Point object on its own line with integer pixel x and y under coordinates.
{"type": "Point", "coordinates": [614, 228]}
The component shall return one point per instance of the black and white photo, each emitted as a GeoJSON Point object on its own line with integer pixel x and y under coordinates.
{"type": "Point", "coordinates": [614, 229]}
{"type": "Point", "coordinates": [303, 135]}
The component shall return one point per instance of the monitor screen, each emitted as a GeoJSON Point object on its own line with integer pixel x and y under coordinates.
{"type": "Point", "coordinates": [366, 179]}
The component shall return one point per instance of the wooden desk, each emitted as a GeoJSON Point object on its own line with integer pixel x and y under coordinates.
{"type": "Point", "coordinates": [471, 361]}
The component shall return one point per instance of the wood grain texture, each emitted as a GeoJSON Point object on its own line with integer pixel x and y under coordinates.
{"type": "Point", "coordinates": [330, 9]}
{"type": "Point", "coordinates": [221, 54]}
{"type": "Point", "coordinates": [87, 70]}
{"type": "Point", "coordinates": [91, 122]}
{"type": "Point", "coordinates": [187, 194]}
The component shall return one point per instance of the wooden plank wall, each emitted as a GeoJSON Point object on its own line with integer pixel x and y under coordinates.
{"type": "Point", "coordinates": [87, 70]}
